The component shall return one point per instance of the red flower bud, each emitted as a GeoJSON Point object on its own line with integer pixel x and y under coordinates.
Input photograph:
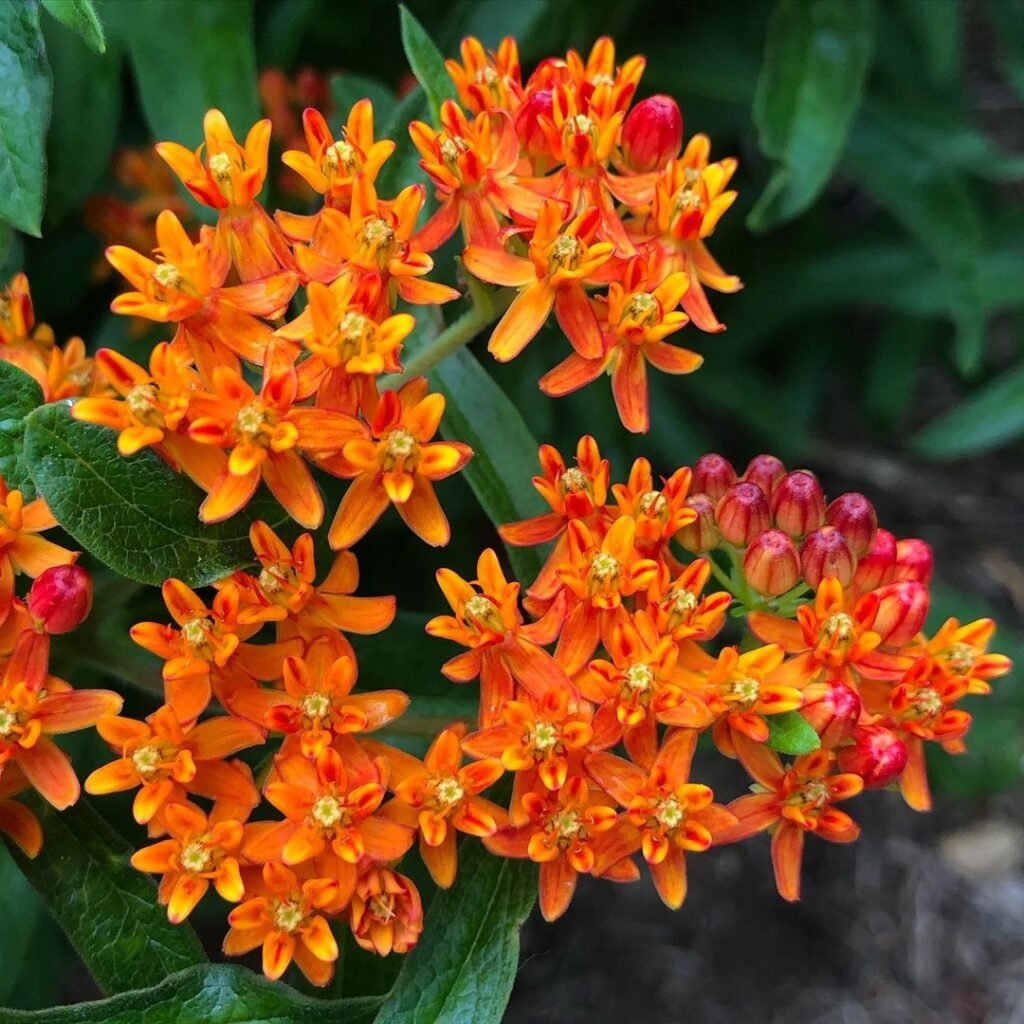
{"type": "Point", "coordinates": [772, 563]}
{"type": "Point", "coordinates": [878, 756]}
{"type": "Point", "coordinates": [876, 568]}
{"type": "Point", "coordinates": [834, 714]}
{"type": "Point", "coordinates": [60, 598]}
{"type": "Point", "coordinates": [855, 516]}
{"type": "Point", "coordinates": [902, 609]}
{"type": "Point", "coordinates": [765, 471]}
{"type": "Point", "coordinates": [742, 513]}
{"type": "Point", "coordinates": [652, 134]}
{"type": "Point", "coordinates": [713, 476]}
{"type": "Point", "coordinates": [537, 104]}
{"type": "Point", "coordinates": [702, 534]}
{"type": "Point", "coordinates": [826, 553]}
{"type": "Point", "coordinates": [914, 560]}
{"type": "Point", "coordinates": [798, 503]}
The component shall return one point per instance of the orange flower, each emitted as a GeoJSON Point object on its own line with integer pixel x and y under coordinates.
{"type": "Point", "coordinates": [347, 348]}
{"type": "Point", "coordinates": [666, 814]}
{"type": "Point", "coordinates": [561, 260]}
{"type": "Point", "coordinates": [207, 647]}
{"type": "Point", "coordinates": [502, 650]}
{"type": "Point", "coordinates": [793, 802]}
{"type": "Point", "coordinates": [71, 373]}
{"type": "Point", "coordinates": [375, 238]}
{"type": "Point", "coordinates": [387, 914]}
{"type": "Point", "coordinates": [598, 576]}
{"type": "Point", "coordinates": [397, 463]}
{"type": "Point", "coordinates": [17, 822]}
{"type": "Point", "coordinates": [640, 687]}
{"type": "Point", "coordinates": [34, 707]}
{"type": "Point", "coordinates": [487, 82]}
{"type": "Point", "coordinates": [283, 919]}
{"type": "Point", "coordinates": [228, 178]}
{"type": "Point", "coordinates": [472, 165]}
{"type": "Point", "coordinates": [21, 548]}
{"type": "Point", "coordinates": [439, 796]}
{"type": "Point", "coordinates": [659, 514]}
{"type": "Point", "coordinates": [961, 652]}
{"type": "Point", "coordinates": [265, 433]}
{"type": "Point", "coordinates": [689, 200]}
{"type": "Point", "coordinates": [678, 607]}
{"type": "Point", "coordinates": [23, 343]}
{"type": "Point", "coordinates": [331, 167]}
{"type": "Point", "coordinates": [329, 806]}
{"type": "Point", "coordinates": [199, 852]}
{"type": "Point", "coordinates": [635, 320]}
{"type": "Point", "coordinates": [216, 324]}
{"type": "Point", "coordinates": [560, 837]}
{"type": "Point", "coordinates": [164, 759]}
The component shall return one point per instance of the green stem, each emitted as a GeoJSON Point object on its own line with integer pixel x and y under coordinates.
{"type": "Point", "coordinates": [722, 577]}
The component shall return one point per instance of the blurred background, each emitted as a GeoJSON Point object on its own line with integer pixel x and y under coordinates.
{"type": "Point", "coordinates": [878, 341]}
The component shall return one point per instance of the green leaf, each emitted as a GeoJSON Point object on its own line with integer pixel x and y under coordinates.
{"type": "Point", "coordinates": [479, 413]}
{"type": "Point", "coordinates": [789, 733]}
{"type": "Point", "coordinates": [190, 56]}
{"type": "Point", "coordinates": [1007, 18]}
{"type": "Point", "coordinates": [215, 994]}
{"type": "Point", "coordinates": [107, 909]}
{"type": "Point", "coordinates": [80, 16]}
{"type": "Point", "coordinates": [24, 905]}
{"type": "Point", "coordinates": [933, 204]}
{"type": "Point", "coordinates": [403, 166]}
{"type": "Point", "coordinates": [21, 395]}
{"type": "Point", "coordinates": [348, 90]}
{"type": "Point", "coordinates": [86, 117]}
{"type": "Point", "coordinates": [426, 62]}
{"type": "Point", "coordinates": [136, 514]}
{"type": "Point", "coordinates": [466, 961]}
{"type": "Point", "coordinates": [816, 58]}
{"type": "Point", "coordinates": [25, 93]}
{"type": "Point", "coordinates": [993, 415]}
{"type": "Point", "coordinates": [938, 29]}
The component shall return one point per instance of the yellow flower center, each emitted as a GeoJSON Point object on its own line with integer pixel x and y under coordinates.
{"type": "Point", "coordinates": [960, 660]}
{"type": "Point", "coordinates": [573, 481]}
{"type": "Point", "coordinates": [381, 907]}
{"type": "Point", "coordinates": [448, 791]}
{"type": "Point", "coordinates": [341, 154]}
{"type": "Point", "coordinates": [141, 400]}
{"type": "Point", "coordinates": [400, 444]}
{"type": "Point", "coordinates": [196, 857]}
{"type": "Point", "coordinates": [567, 825]}
{"type": "Point", "coordinates": [642, 308]}
{"type": "Point", "coordinates": [8, 720]}
{"type": "Point", "coordinates": [580, 124]}
{"type": "Point", "coordinates": [356, 334]}
{"type": "Point", "coordinates": [545, 736]}
{"type": "Point", "coordinates": [316, 705]}
{"type": "Point", "coordinates": [653, 504]}
{"type": "Point", "coordinates": [604, 567]}
{"type": "Point", "coordinates": [928, 702]}
{"type": "Point", "coordinates": [452, 147]}
{"type": "Point", "coordinates": [146, 761]}
{"type": "Point", "coordinates": [487, 75]}
{"type": "Point", "coordinates": [481, 612]}
{"type": "Point", "coordinates": [328, 811]}
{"type": "Point", "coordinates": [683, 602]}
{"type": "Point", "coordinates": [814, 794]}
{"type": "Point", "coordinates": [196, 635]}
{"type": "Point", "coordinates": [220, 165]}
{"type": "Point", "coordinates": [839, 627]}
{"type": "Point", "coordinates": [251, 420]}
{"type": "Point", "coordinates": [670, 813]}
{"type": "Point", "coordinates": [378, 240]}
{"type": "Point", "coordinates": [167, 275]}
{"type": "Point", "coordinates": [565, 253]}
{"type": "Point", "coordinates": [744, 691]}
{"type": "Point", "coordinates": [288, 915]}
{"type": "Point", "coordinates": [639, 677]}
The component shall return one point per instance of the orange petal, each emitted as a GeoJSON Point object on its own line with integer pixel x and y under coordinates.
{"type": "Point", "coordinates": [787, 854]}
{"type": "Point", "coordinates": [522, 320]}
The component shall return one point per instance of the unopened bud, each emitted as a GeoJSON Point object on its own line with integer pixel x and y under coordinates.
{"type": "Point", "coordinates": [652, 134]}
{"type": "Point", "coordinates": [60, 598]}
{"type": "Point", "coordinates": [914, 560]}
{"type": "Point", "coordinates": [826, 553]}
{"type": "Point", "coordinates": [798, 503]}
{"type": "Point", "coordinates": [742, 513]}
{"type": "Point", "coordinates": [537, 104]}
{"type": "Point", "coordinates": [765, 471]}
{"type": "Point", "coordinates": [702, 534]}
{"type": "Point", "coordinates": [833, 710]}
{"type": "Point", "coordinates": [902, 609]}
{"type": "Point", "coordinates": [877, 755]}
{"type": "Point", "coordinates": [877, 566]}
{"type": "Point", "coordinates": [713, 476]}
{"type": "Point", "coordinates": [854, 515]}
{"type": "Point", "coordinates": [772, 563]}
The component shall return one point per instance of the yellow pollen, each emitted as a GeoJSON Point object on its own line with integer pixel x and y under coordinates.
{"type": "Point", "coordinates": [448, 791]}
{"type": "Point", "coordinates": [928, 702]}
{"type": "Point", "coordinates": [341, 154]}
{"type": "Point", "coordinates": [745, 690]}
{"type": "Point", "coordinates": [220, 166]}
{"type": "Point", "coordinates": [378, 234]}
{"type": "Point", "coordinates": [653, 504]}
{"type": "Point", "coordinates": [960, 660]}
{"type": "Point", "coordinates": [400, 444]}
{"type": "Point", "coordinates": [545, 736]}
{"type": "Point", "coordinates": [167, 275]}
{"type": "Point", "coordinates": [354, 332]}
{"type": "Point", "coordinates": [566, 825]}
{"type": "Point", "coordinates": [642, 307]}
{"type": "Point", "coordinates": [327, 811]}
{"type": "Point", "coordinates": [141, 400]}
{"type": "Point", "coordinates": [487, 75]}
{"type": "Point", "coordinates": [573, 481]}
{"type": "Point", "coordinates": [579, 124]}
{"type": "Point", "coordinates": [839, 627]}
{"type": "Point", "coordinates": [639, 677]}
{"type": "Point", "coordinates": [814, 793]}
{"type": "Point", "coordinates": [381, 907]}
{"type": "Point", "coordinates": [196, 857]}
{"type": "Point", "coordinates": [146, 761]}
{"type": "Point", "coordinates": [687, 199]}
{"type": "Point", "coordinates": [197, 633]}
{"type": "Point", "coordinates": [250, 420]}
{"type": "Point", "coordinates": [8, 721]}
{"type": "Point", "coordinates": [288, 916]}
{"type": "Point", "coordinates": [604, 567]}
{"type": "Point", "coordinates": [452, 147]}
{"type": "Point", "coordinates": [565, 252]}
{"type": "Point", "coordinates": [316, 705]}
{"type": "Point", "coordinates": [683, 602]}
{"type": "Point", "coordinates": [669, 813]}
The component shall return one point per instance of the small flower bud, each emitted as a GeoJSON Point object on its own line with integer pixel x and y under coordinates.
{"type": "Point", "coordinates": [902, 609]}
{"type": "Point", "coordinates": [854, 515]}
{"type": "Point", "coordinates": [826, 553]}
{"type": "Point", "coordinates": [877, 755]}
{"type": "Point", "coordinates": [798, 503]}
{"type": "Point", "coordinates": [765, 471]}
{"type": "Point", "coordinates": [702, 534]}
{"type": "Point", "coordinates": [772, 563]}
{"type": "Point", "coordinates": [914, 560]}
{"type": "Point", "coordinates": [876, 568]}
{"type": "Point", "coordinates": [742, 513]}
{"type": "Point", "coordinates": [60, 598]}
{"type": "Point", "coordinates": [833, 712]}
{"type": "Point", "coordinates": [538, 103]}
{"type": "Point", "coordinates": [713, 476]}
{"type": "Point", "coordinates": [652, 134]}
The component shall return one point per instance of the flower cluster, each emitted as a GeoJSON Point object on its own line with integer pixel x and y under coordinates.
{"type": "Point", "coordinates": [833, 610]}
{"type": "Point", "coordinates": [318, 403]}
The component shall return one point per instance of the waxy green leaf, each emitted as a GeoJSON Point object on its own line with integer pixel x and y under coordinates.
{"type": "Point", "coordinates": [80, 16]}
{"type": "Point", "coordinates": [21, 395]}
{"type": "Point", "coordinates": [790, 733]}
{"type": "Point", "coordinates": [135, 514]}
{"type": "Point", "coordinates": [426, 62]}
